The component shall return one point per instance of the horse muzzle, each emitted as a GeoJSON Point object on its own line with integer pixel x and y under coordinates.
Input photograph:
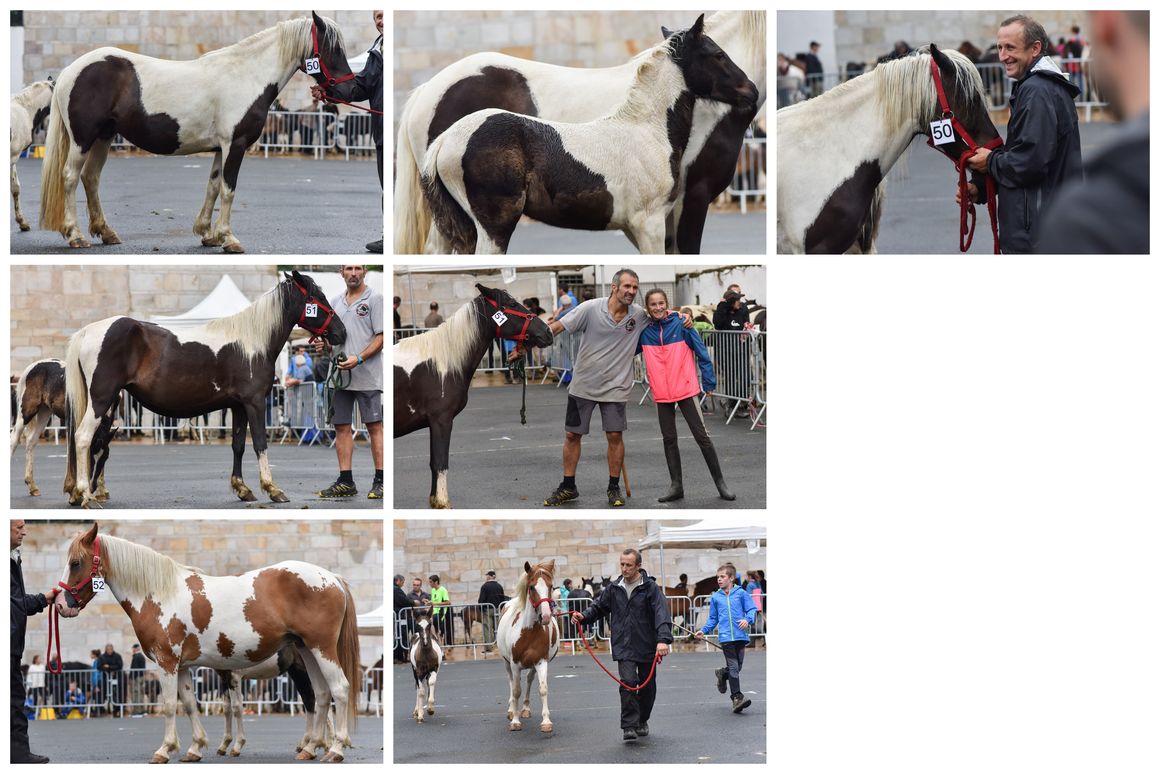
{"type": "Point", "coordinates": [66, 605]}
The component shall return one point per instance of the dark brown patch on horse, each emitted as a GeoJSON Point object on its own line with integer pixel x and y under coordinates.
{"type": "Point", "coordinates": [155, 639]}
{"type": "Point", "coordinates": [281, 597]}
{"type": "Point", "coordinates": [680, 123]}
{"type": "Point", "coordinates": [840, 220]}
{"type": "Point", "coordinates": [39, 118]}
{"type": "Point", "coordinates": [451, 219]}
{"type": "Point", "coordinates": [494, 87]}
{"type": "Point", "coordinates": [106, 100]}
{"type": "Point", "coordinates": [532, 646]}
{"type": "Point", "coordinates": [225, 646]}
{"type": "Point", "coordinates": [247, 132]}
{"type": "Point", "coordinates": [43, 387]}
{"type": "Point", "coordinates": [201, 608]}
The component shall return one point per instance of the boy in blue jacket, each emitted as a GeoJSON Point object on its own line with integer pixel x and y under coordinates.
{"type": "Point", "coordinates": [731, 612]}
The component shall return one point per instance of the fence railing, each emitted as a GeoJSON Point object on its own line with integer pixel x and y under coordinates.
{"type": "Point", "coordinates": [749, 179]}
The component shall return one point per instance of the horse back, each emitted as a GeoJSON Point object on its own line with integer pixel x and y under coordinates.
{"type": "Point", "coordinates": [44, 386]}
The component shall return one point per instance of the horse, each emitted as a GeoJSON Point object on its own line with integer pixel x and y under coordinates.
{"type": "Point", "coordinates": [433, 370]}
{"type": "Point", "coordinates": [572, 94]}
{"type": "Point", "coordinates": [226, 363]}
{"type": "Point", "coordinates": [216, 103]}
{"type": "Point", "coordinates": [40, 395]}
{"type": "Point", "coordinates": [184, 619]}
{"type": "Point", "coordinates": [29, 109]}
{"type": "Point", "coordinates": [834, 150]}
{"type": "Point", "coordinates": [622, 171]}
{"type": "Point", "coordinates": [679, 602]}
{"type": "Point", "coordinates": [425, 656]}
{"type": "Point", "coordinates": [472, 614]}
{"type": "Point", "coordinates": [528, 638]}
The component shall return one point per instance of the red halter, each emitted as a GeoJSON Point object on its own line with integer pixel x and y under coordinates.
{"type": "Point", "coordinates": [54, 616]}
{"type": "Point", "coordinates": [321, 331]}
{"type": "Point", "coordinates": [523, 334]}
{"type": "Point", "coordinates": [330, 80]}
{"type": "Point", "coordinates": [965, 203]}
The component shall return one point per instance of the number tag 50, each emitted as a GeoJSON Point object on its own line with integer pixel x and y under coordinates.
{"type": "Point", "coordinates": [312, 67]}
{"type": "Point", "coordinates": [941, 132]}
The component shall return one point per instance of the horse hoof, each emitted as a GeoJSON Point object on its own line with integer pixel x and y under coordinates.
{"type": "Point", "coordinates": [210, 242]}
{"type": "Point", "coordinates": [546, 728]}
{"type": "Point", "coordinates": [305, 755]}
{"type": "Point", "coordinates": [34, 492]}
{"type": "Point", "coordinates": [158, 759]}
{"type": "Point", "coordinates": [111, 239]}
{"type": "Point", "coordinates": [221, 751]}
{"type": "Point", "coordinates": [102, 498]}
{"type": "Point", "coordinates": [278, 496]}
{"type": "Point", "coordinates": [235, 753]}
{"type": "Point", "coordinates": [79, 242]}
{"type": "Point", "coordinates": [430, 711]}
{"type": "Point", "coordinates": [25, 227]}
{"type": "Point", "coordinates": [514, 727]}
{"type": "Point", "coordinates": [236, 247]}
{"type": "Point", "coordinates": [190, 758]}
{"type": "Point", "coordinates": [525, 713]}
{"type": "Point", "coordinates": [433, 502]}
{"type": "Point", "coordinates": [331, 757]}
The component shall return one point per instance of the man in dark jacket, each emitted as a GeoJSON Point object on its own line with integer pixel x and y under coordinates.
{"type": "Point", "coordinates": [401, 605]}
{"type": "Point", "coordinates": [366, 86]}
{"type": "Point", "coordinates": [21, 606]}
{"type": "Point", "coordinates": [1042, 149]}
{"type": "Point", "coordinates": [490, 593]}
{"type": "Point", "coordinates": [731, 313]}
{"type": "Point", "coordinates": [1107, 212]}
{"type": "Point", "coordinates": [642, 629]}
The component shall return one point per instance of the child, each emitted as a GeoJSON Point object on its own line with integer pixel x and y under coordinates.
{"type": "Point", "coordinates": [731, 611]}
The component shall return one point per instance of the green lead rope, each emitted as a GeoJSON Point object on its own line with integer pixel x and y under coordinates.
{"type": "Point", "coordinates": [517, 370]}
{"type": "Point", "coordinates": [336, 379]}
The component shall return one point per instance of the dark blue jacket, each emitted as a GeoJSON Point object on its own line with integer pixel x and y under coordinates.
{"type": "Point", "coordinates": [637, 624]}
{"type": "Point", "coordinates": [20, 607]}
{"type": "Point", "coordinates": [367, 86]}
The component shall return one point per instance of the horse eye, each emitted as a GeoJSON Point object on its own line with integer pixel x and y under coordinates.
{"type": "Point", "coordinates": [74, 565]}
{"type": "Point", "coordinates": [720, 56]}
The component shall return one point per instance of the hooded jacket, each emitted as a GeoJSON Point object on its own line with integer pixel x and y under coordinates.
{"type": "Point", "coordinates": [725, 610]}
{"type": "Point", "coordinates": [672, 356]}
{"type": "Point", "coordinates": [21, 605]}
{"type": "Point", "coordinates": [638, 622]}
{"type": "Point", "coordinates": [1042, 152]}
{"type": "Point", "coordinates": [367, 85]}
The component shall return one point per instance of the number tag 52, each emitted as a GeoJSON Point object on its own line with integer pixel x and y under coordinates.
{"type": "Point", "coordinates": [941, 132]}
{"type": "Point", "coordinates": [98, 584]}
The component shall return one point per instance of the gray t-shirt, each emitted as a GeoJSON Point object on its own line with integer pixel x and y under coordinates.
{"type": "Point", "coordinates": [603, 365]}
{"type": "Point", "coordinates": [363, 319]}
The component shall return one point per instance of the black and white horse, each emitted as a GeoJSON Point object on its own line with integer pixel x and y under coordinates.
{"type": "Point", "coordinates": [216, 103]}
{"type": "Point", "coordinates": [426, 655]}
{"type": "Point", "coordinates": [227, 363]}
{"type": "Point", "coordinates": [834, 150]}
{"type": "Point", "coordinates": [433, 371]}
{"type": "Point", "coordinates": [572, 94]}
{"type": "Point", "coordinates": [29, 110]}
{"type": "Point", "coordinates": [622, 171]}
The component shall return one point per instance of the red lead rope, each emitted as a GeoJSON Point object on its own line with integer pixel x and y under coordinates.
{"type": "Point", "coordinates": [53, 625]}
{"type": "Point", "coordinates": [651, 672]}
{"type": "Point", "coordinates": [967, 232]}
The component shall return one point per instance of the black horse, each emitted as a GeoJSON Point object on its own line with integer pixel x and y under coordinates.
{"type": "Point", "coordinates": [227, 363]}
{"type": "Point", "coordinates": [433, 370]}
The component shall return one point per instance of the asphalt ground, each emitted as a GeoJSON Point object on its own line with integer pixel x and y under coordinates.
{"type": "Point", "coordinates": [498, 463]}
{"type": "Point", "coordinates": [691, 721]}
{"type": "Point", "coordinates": [920, 215]}
{"type": "Point", "coordinates": [283, 205]}
{"type": "Point", "coordinates": [726, 233]}
{"type": "Point", "coordinates": [269, 739]}
{"type": "Point", "coordinates": [182, 475]}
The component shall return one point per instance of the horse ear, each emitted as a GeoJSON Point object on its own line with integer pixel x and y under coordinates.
{"type": "Point", "coordinates": [666, 33]}
{"type": "Point", "coordinates": [698, 27]}
{"type": "Point", "coordinates": [527, 567]}
{"type": "Point", "coordinates": [318, 20]}
{"type": "Point", "coordinates": [552, 567]}
{"type": "Point", "coordinates": [89, 537]}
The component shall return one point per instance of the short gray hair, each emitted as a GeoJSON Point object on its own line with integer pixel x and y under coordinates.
{"type": "Point", "coordinates": [1032, 31]}
{"type": "Point", "coordinates": [616, 277]}
{"type": "Point", "coordinates": [634, 553]}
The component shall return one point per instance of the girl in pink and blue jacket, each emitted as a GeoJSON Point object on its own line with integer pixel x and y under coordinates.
{"type": "Point", "coordinates": [672, 356]}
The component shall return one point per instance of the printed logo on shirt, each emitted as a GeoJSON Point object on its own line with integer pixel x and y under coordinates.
{"type": "Point", "coordinates": [630, 326]}
{"type": "Point", "coordinates": [363, 309]}
{"type": "Point", "coordinates": [734, 323]}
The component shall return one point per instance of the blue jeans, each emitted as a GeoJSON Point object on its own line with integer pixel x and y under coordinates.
{"type": "Point", "coordinates": [734, 657]}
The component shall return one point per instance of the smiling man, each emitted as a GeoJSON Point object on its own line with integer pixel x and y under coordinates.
{"type": "Point", "coordinates": [1042, 150]}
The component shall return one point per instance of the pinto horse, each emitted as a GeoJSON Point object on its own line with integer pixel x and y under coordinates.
{"type": "Point", "coordinates": [29, 110]}
{"type": "Point", "coordinates": [622, 171]}
{"type": "Point", "coordinates": [578, 95]}
{"type": "Point", "coordinates": [217, 103]}
{"type": "Point", "coordinates": [528, 638]}
{"type": "Point", "coordinates": [834, 151]}
{"type": "Point", "coordinates": [425, 656]}
{"type": "Point", "coordinates": [433, 370]}
{"type": "Point", "coordinates": [184, 619]}
{"type": "Point", "coordinates": [227, 363]}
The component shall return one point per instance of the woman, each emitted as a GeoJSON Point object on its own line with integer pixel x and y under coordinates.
{"type": "Point", "coordinates": [754, 590]}
{"type": "Point", "coordinates": [672, 355]}
{"type": "Point", "coordinates": [36, 676]}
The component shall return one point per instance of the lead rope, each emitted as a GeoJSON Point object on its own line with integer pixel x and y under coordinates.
{"type": "Point", "coordinates": [53, 625]}
{"type": "Point", "coordinates": [651, 672]}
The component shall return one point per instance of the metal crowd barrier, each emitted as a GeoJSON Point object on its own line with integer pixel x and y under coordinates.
{"type": "Point", "coordinates": [749, 180]}
{"type": "Point", "coordinates": [701, 616]}
{"type": "Point", "coordinates": [317, 132]}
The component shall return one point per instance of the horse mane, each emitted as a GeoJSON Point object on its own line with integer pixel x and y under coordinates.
{"type": "Point", "coordinates": [906, 92]}
{"type": "Point", "coordinates": [752, 30]}
{"type": "Point", "coordinates": [252, 327]}
{"type": "Point", "coordinates": [138, 570]}
{"type": "Point", "coordinates": [521, 597]}
{"type": "Point", "coordinates": [294, 40]}
{"type": "Point", "coordinates": [30, 94]}
{"type": "Point", "coordinates": [449, 345]}
{"type": "Point", "coordinates": [650, 84]}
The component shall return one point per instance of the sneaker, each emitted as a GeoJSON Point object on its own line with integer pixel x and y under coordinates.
{"type": "Point", "coordinates": [615, 498]}
{"type": "Point", "coordinates": [642, 729]}
{"type": "Point", "coordinates": [740, 702]}
{"type": "Point", "coordinates": [561, 496]}
{"type": "Point", "coordinates": [376, 492]}
{"type": "Point", "coordinates": [722, 676]}
{"type": "Point", "coordinates": [339, 489]}
{"type": "Point", "coordinates": [31, 758]}
{"type": "Point", "coordinates": [375, 247]}
{"type": "Point", "coordinates": [630, 734]}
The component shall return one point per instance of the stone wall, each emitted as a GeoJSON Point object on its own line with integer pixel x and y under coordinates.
{"type": "Point", "coordinates": [353, 549]}
{"type": "Point", "coordinates": [50, 302]}
{"type": "Point", "coordinates": [460, 552]}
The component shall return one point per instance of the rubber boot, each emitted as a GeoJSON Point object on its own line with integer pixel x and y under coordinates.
{"type": "Point", "coordinates": [714, 464]}
{"type": "Point", "coordinates": [676, 487]}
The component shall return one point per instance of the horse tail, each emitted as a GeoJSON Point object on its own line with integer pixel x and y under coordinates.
{"type": "Point", "coordinates": [348, 655]}
{"type": "Point", "coordinates": [77, 401]}
{"type": "Point", "coordinates": [56, 148]}
{"type": "Point", "coordinates": [412, 215]}
{"type": "Point", "coordinates": [451, 219]}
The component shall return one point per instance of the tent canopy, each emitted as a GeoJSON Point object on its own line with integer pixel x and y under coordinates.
{"type": "Point", "coordinates": [224, 300]}
{"type": "Point", "coordinates": [704, 535]}
{"type": "Point", "coordinates": [372, 623]}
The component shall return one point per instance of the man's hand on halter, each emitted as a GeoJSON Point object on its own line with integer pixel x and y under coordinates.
{"type": "Point", "coordinates": [317, 92]}
{"type": "Point", "coordinates": [662, 649]}
{"type": "Point", "coordinates": [516, 353]}
{"type": "Point", "coordinates": [972, 191]}
{"type": "Point", "coordinates": [978, 162]}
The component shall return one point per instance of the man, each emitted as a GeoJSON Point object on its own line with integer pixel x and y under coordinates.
{"type": "Point", "coordinates": [441, 614]}
{"type": "Point", "coordinates": [731, 314]}
{"type": "Point", "coordinates": [136, 673]}
{"type": "Point", "coordinates": [1042, 149]}
{"type": "Point", "coordinates": [1107, 212]}
{"type": "Point", "coordinates": [398, 322]}
{"type": "Point", "coordinates": [111, 665]}
{"type": "Point", "coordinates": [361, 311]}
{"type": "Point", "coordinates": [418, 597]}
{"type": "Point", "coordinates": [367, 85]}
{"type": "Point", "coordinates": [490, 593]}
{"type": "Point", "coordinates": [434, 319]}
{"type": "Point", "coordinates": [401, 605]}
{"type": "Point", "coordinates": [21, 606]}
{"type": "Point", "coordinates": [609, 330]}
{"type": "Point", "coordinates": [814, 70]}
{"type": "Point", "coordinates": [642, 630]}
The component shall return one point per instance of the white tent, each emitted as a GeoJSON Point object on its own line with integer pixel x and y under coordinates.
{"type": "Point", "coordinates": [372, 623]}
{"type": "Point", "coordinates": [222, 301]}
{"type": "Point", "coordinates": [705, 536]}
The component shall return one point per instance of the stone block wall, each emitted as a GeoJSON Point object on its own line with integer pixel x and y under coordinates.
{"type": "Point", "coordinates": [351, 548]}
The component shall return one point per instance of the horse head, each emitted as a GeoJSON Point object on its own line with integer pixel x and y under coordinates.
{"type": "Point", "coordinates": [708, 70]}
{"type": "Point", "coordinates": [512, 319]}
{"type": "Point", "coordinates": [84, 564]}
{"type": "Point", "coordinates": [330, 50]}
{"type": "Point", "coordinates": [425, 630]}
{"type": "Point", "coordinates": [306, 303]}
{"type": "Point", "coordinates": [966, 100]}
{"type": "Point", "coordinates": [538, 581]}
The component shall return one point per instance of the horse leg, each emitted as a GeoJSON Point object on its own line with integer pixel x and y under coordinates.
{"type": "Point", "coordinates": [418, 713]}
{"type": "Point", "coordinates": [258, 437]}
{"type": "Point", "coordinates": [71, 173]}
{"type": "Point", "coordinates": [204, 221]}
{"type": "Point", "coordinates": [514, 700]}
{"type": "Point", "coordinates": [85, 432]}
{"type": "Point", "coordinates": [235, 694]}
{"type": "Point", "coordinates": [440, 433]}
{"type": "Point", "coordinates": [526, 710]}
{"type": "Point", "coordinates": [648, 234]}
{"type": "Point", "coordinates": [431, 678]}
{"type": "Point", "coordinates": [169, 708]}
{"type": "Point", "coordinates": [91, 177]}
{"type": "Point", "coordinates": [545, 718]}
{"type": "Point", "coordinates": [100, 452]}
{"type": "Point", "coordinates": [239, 446]}
{"type": "Point", "coordinates": [16, 197]}
{"type": "Point", "coordinates": [333, 686]}
{"type": "Point", "coordinates": [200, 741]}
{"type": "Point", "coordinates": [228, 735]}
{"type": "Point", "coordinates": [315, 731]}
{"type": "Point", "coordinates": [222, 234]}
{"type": "Point", "coordinates": [40, 421]}
{"type": "Point", "coordinates": [691, 224]}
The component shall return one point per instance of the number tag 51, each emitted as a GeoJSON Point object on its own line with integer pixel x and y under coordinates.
{"type": "Point", "coordinates": [941, 132]}
{"type": "Point", "coordinates": [499, 317]}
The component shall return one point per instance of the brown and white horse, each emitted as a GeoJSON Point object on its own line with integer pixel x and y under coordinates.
{"type": "Point", "coordinates": [29, 110]}
{"type": "Point", "coordinates": [528, 638]}
{"type": "Point", "coordinates": [425, 656]}
{"type": "Point", "coordinates": [184, 618]}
